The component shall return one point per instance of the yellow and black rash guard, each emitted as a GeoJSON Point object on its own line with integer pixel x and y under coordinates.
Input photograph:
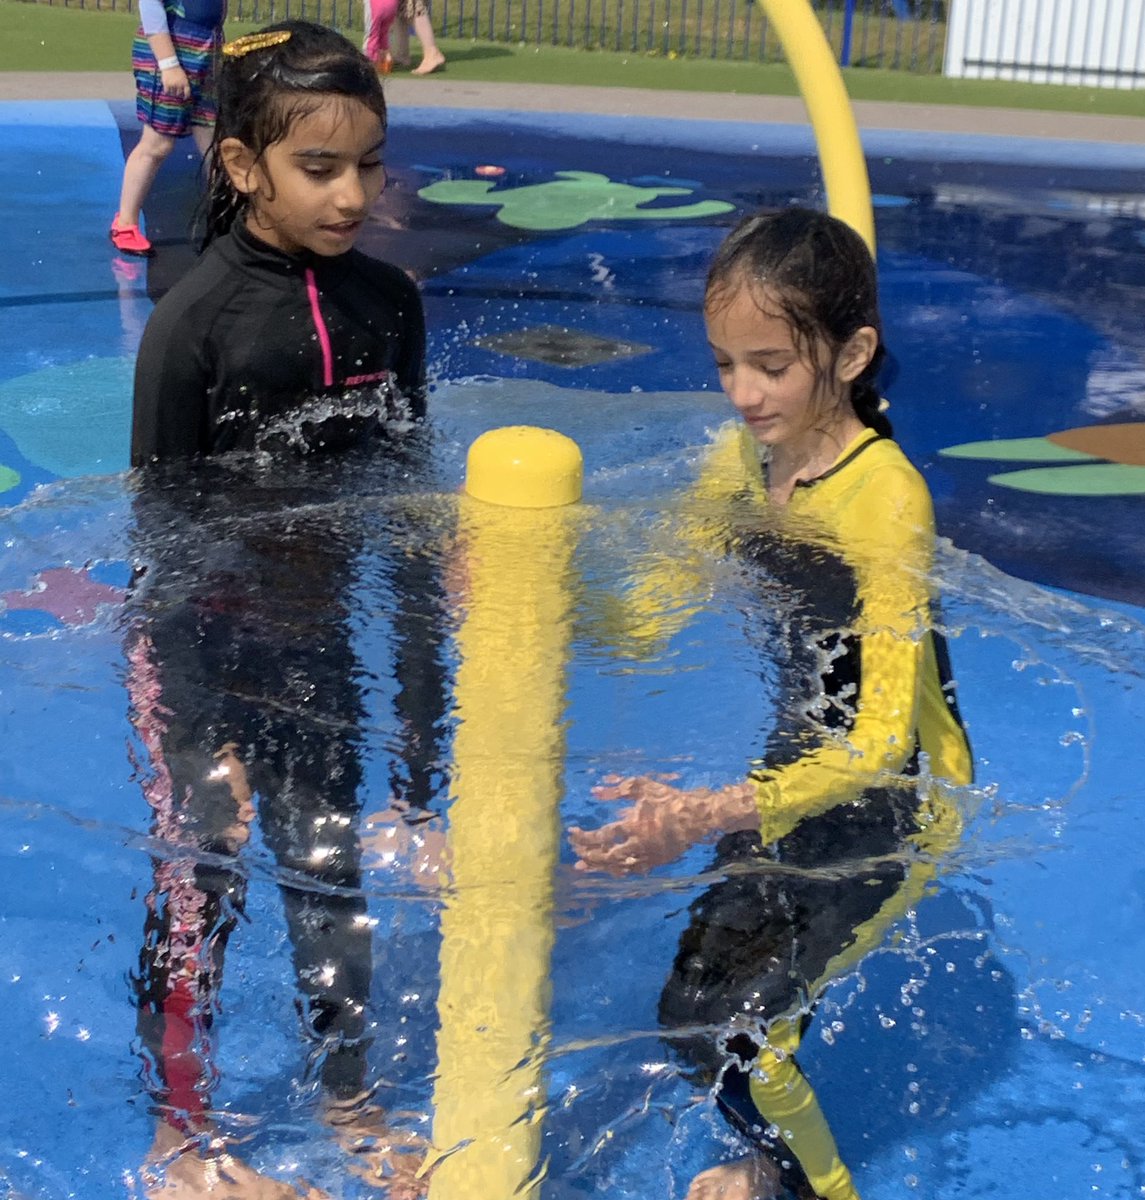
{"type": "Point", "coordinates": [865, 689]}
{"type": "Point", "coordinates": [871, 515]}
{"type": "Point", "coordinates": [858, 543]}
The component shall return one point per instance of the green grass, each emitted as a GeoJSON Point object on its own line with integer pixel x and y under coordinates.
{"type": "Point", "coordinates": [720, 29]}
{"type": "Point", "coordinates": [40, 37]}
{"type": "Point", "coordinates": [554, 64]}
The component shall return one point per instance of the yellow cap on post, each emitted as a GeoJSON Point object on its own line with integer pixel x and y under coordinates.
{"type": "Point", "coordinates": [522, 466]}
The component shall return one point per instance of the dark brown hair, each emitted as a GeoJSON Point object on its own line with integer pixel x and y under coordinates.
{"type": "Point", "coordinates": [819, 272]}
{"type": "Point", "coordinates": [263, 92]}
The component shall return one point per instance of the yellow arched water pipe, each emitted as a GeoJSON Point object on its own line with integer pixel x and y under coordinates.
{"type": "Point", "coordinates": [517, 541]}
{"type": "Point", "coordinates": [836, 134]}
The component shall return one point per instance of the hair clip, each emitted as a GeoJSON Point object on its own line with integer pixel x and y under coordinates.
{"type": "Point", "coordinates": [256, 41]}
{"type": "Point", "coordinates": [884, 404]}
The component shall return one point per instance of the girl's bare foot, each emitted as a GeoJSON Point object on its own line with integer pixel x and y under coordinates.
{"type": "Point", "coordinates": [386, 1158]}
{"type": "Point", "coordinates": [178, 1169]}
{"type": "Point", "coordinates": [751, 1178]}
{"type": "Point", "coordinates": [434, 60]}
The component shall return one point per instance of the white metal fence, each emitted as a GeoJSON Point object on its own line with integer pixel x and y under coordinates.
{"type": "Point", "coordinates": [1098, 43]}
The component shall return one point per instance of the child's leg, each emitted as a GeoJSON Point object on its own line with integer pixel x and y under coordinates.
{"type": "Point", "coordinates": [756, 947]}
{"type": "Point", "coordinates": [308, 808]}
{"type": "Point", "coordinates": [432, 58]}
{"type": "Point", "coordinates": [165, 116]}
{"type": "Point", "coordinates": [381, 18]}
{"type": "Point", "coordinates": [203, 136]}
{"type": "Point", "coordinates": [772, 1094]}
{"type": "Point", "coordinates": [399, 41]}
{"type": "Point", "coordinates": [784, 1098]}
{"type": "Point", "coordinates": [139, 173]}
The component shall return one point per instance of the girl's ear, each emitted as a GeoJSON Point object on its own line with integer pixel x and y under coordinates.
{"type": "Point", "coordinates": [239, 163]}
{"type": "Point", "coordinates": [856, 354]}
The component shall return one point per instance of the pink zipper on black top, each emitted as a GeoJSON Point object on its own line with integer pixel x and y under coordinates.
{"type": "Point", "coordinates": [320, 329]}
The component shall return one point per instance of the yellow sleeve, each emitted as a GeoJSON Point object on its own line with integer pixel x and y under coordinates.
{"type": "Point", "coordinates": [886, 532]}
{"type": "Point", "coordinates": [670, 585]}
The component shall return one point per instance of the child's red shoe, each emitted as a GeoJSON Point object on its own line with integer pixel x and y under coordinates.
{"type": "Point", "coordinates": [128, 239]}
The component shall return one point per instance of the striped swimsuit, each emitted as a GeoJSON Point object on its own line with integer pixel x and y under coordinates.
{"type": "Point", "coordinates": [196, 28]}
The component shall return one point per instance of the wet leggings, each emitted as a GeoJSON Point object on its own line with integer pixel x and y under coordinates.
{"type": "Point", "coordinates": [203, 807]}
{"type": "Point", "coordinates": [766, 1090]}
{"type": "Point", "coordinates": [762, 944]}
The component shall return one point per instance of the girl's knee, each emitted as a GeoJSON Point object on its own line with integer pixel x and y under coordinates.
{"type": "Point", "coordinates": [154, 145]}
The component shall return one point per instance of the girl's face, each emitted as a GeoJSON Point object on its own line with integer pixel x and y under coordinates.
{"type": "Point", "coordinates": [782, 394]}
{"type": "Point", "coordinates": [314, 189]}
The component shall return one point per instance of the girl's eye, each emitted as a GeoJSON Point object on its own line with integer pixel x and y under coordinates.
{"type": "Point", "coordinates": [370, 166]}
{"type": "Point", "coordinates": [775, 372]}
{"type": "Point", "coordinates": [317, 172]}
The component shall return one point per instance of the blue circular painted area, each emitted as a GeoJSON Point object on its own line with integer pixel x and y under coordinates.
{"type": "Point", "coordinates": [1001, 1015]}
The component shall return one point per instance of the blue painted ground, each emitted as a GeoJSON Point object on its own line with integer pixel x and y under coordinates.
{"type": "Point", "coordinates": [996, 1047]}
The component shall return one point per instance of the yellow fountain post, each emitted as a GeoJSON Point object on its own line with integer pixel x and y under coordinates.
{"type": "Point", "coordinates": [829, 107]}
{"type": "Point", "coordinates": [496, 926]}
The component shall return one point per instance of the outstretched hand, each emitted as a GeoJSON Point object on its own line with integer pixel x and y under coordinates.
{"type": "Point", "coordinates": [660, 823]}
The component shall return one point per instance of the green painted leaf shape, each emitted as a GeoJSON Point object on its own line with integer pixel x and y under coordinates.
{"type": "Point", "coordinates": [572, 199]}
{"type": "Point", "coordinates": [1088, 479]}
{"type": "Point", "coordinates": [1031, 449]}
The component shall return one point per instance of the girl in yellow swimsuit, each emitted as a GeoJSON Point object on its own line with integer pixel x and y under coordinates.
{"type": "Point", "coordinates": [836, 829]}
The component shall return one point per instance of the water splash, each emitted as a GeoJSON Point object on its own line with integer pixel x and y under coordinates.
{"type": "Point", "coordinates": [942, 1016]}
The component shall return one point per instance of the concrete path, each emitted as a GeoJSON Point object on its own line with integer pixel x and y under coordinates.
{"type": "Point", "coordinates": [437, 91]}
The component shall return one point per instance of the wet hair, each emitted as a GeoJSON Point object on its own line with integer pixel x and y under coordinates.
{"type": "Point", "coordinates": [263, 91]}
{"type": "Point", "coordinates": [820, 274]}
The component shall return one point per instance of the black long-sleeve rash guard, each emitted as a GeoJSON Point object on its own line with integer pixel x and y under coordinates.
{"type": "Point", "coordinates": [256, 349]}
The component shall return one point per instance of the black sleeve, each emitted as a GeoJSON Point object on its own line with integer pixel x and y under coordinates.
{"type": "Point", "coordinates": [171, 380]}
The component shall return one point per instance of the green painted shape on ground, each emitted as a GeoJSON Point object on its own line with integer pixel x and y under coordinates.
{"type": "Point", "coordinates": [8, 479]}
{"type": "Point", "coordinates": [1089, 479]}
{"type": "Point", "coordinates": [72, 420]}
{"type": "Point", "coordinates": [1031, 449]}
{"type": "Point", "coordinates": [574, 198]}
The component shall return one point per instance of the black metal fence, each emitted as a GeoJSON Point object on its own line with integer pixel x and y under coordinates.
{"type": "Point", "coordinates": [910, 39]}
{"type": "Point", "coordinates": [907, 35]}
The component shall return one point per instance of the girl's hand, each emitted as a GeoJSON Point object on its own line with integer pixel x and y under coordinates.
{"type": "Point", "coordinates": [650, 832]}
{"type": "Point", "coordinates": [176, 83]}
{"type": "Point", "coordinates": [660, 823]}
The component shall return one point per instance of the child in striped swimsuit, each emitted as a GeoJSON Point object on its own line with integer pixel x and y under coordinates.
{"type": "Point", "coordinates": [173, 57]}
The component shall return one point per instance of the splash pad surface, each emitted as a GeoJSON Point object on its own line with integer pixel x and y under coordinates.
{"type": "Point", "coordinates": [996, 1042]}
